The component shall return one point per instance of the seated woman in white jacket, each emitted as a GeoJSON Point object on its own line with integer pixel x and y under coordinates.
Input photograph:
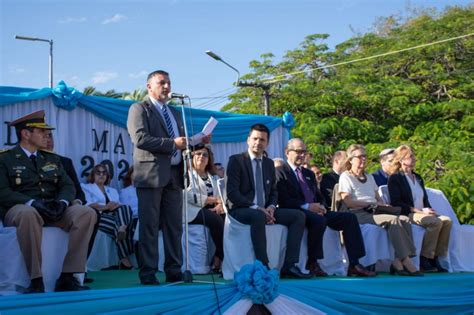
{"type": "Point", "coordinates": [128, 194]}
{"type": "Point", "coordinates": [115, 218]}
{"type": "Point", "coordinates": [204, 204]}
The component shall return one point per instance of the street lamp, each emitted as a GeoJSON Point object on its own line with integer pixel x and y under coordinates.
{"type": "Point", "coordinates": [264, 86]}
{"type": "Point", "coordinates": [50, 41]}
{"type": "Point", "coordinates": [216, 57]}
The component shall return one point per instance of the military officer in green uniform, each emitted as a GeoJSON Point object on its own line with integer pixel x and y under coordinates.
{"type": "Point", "coordinates": [31, 179]}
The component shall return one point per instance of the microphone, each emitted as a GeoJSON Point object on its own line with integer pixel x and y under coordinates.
{"type": "Point", "coordinates": [177, 95]}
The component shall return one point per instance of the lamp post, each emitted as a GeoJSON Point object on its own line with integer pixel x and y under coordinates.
{"type": "Point", "coordinates": [50, 41]}
{"type": "Point", "coordinates": [264, 86]}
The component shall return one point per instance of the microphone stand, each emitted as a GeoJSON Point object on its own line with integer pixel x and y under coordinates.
{"type": "Point", "coordinates": [187, 167]}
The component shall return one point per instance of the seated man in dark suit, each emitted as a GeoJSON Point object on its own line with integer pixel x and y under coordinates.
{"type": "Point", "coordinates": [330, 179]}
{"type": "Point", "coordinates": [297, 188]}
{"type": "Point", "coordinates": [252, 197]}
{"type": "Point", "coordinates": [381, 175]}
{"type": "Point", "coordinates": [80, 198]}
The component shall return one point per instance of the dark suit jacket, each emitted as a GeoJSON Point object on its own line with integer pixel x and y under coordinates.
{"type": "Point", "coordinates": [71, 172]}
{"type": "Point", "coordinates": [328, 182]}
{"type": "Point", "coordinates": [400, 192]}
{"type": "Point", "coordinates": [153, 146]}
{"type": "Point", "coordinates": [290, 194]}
{"type": "Point", "coordinates": [240, 182]}
{"type": "Point", "coordinates": [380, 177]}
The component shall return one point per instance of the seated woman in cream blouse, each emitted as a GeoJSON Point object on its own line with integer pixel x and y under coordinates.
{"type": "Point", "coordinates": [204, 204]}
{"type": "Point", "coordinates": [115, 218]}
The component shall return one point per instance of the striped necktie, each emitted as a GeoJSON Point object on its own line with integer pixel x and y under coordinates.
{"type": "Point", "coordinates": [169, 126]}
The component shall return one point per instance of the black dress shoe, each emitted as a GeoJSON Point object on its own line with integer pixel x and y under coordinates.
{"type": "Point", "coordinates": [398, 272]}
{"type": "Point", "coordinates": [417, 273]}
{"type": "Point", "coordinates": [435, 263]}
{"type": "Point", "coordinates": [36, 286]}
{"type": "Point", "coordinates": [360, 271]}
{"type": "Point", "coordinates": [88, 280]}
{"type": "Point", "coordinates": [67, 282]}
{"type": "Point", "coordinates": [315, 269]}
{"type": "Point", "coordinates": [174, 277]}
{"type": "Point", "coordinates": [149, 280]}
{"type": "Point", "coordinates": [294, 272]}
{"type": "Point", "coordinates": [426, 266]}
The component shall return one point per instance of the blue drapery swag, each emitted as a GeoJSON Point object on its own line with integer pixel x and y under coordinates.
{"type": "Point", "coordinates": [232, 127]}
{"type": "Point", "coordinates": [433, 294]}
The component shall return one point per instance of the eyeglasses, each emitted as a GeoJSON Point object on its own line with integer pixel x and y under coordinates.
{"type": "Point", "coordinates": [360, 156]}
{"type": "Point", "coordinates": [101, 172]}
{"type": "Point", "coordinates": [298, 151]}
{"type": "Point", "coordinates": [203, 154]}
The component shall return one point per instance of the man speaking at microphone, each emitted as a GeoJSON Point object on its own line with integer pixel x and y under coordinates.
{"type": "Point", "coordinates": [157, 132]}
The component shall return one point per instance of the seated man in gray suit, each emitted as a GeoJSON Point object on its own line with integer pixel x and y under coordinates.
{"type": "Point", "coordinates": [252, 196]}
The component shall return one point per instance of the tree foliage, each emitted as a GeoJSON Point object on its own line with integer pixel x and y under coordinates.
{"type": "Point", "coordinates": [422, 97]}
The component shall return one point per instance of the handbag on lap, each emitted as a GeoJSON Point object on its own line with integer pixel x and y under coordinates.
{"type": "Point", "coordinates": [378, 209]}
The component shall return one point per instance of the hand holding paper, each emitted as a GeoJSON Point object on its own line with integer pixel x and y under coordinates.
{"type": "Point", "coordinates": [205, 132]}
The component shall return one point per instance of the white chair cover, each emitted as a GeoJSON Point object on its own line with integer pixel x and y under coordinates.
{"type": "Point", "coordinates": [238, 248]}
{"type": "Point", "coordinates": [13, 273]}
{"type": "Point", "coordinates": [461, 243]}
{"type": "Point", "coordinates": [376, 243]}
{"type": "Point", "coordinates": [378, 254]}
{"type": "Point", "coordinates": [104, 253]}
{"type": "Point", "coordinates": [334, 261]}
{"type": "Point", "coordinates": [201, 249]}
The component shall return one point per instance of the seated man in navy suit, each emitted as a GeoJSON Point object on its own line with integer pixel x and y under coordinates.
{"type": "Point", "coordinates": [252, 197]}
{"type": "Point", "coordinates": [381, 175]}
{"type": "Point", "coordinates": [297, 188]}
{"type": "Point", "coordinates": [331, 178]}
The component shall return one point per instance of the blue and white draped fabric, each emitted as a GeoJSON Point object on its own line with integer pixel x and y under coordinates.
{"type": "Point", "coordinates": [231, 128]}
{"type": "Point", "coordinates": [97, 127]}
{"type": "Point", "coordinates": [451, 294]}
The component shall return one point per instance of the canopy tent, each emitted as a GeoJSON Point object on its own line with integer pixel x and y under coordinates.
{"type": "Point", "coordinates": [92, 129]}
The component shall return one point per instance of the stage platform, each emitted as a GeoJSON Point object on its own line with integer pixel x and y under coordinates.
{"type": "Point", "coordinates": [119, 292]}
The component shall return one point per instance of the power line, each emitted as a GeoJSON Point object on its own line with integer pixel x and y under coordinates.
{"type": "Point", "coordinates": [285, 77]}
{"type": "Point", "coordinates": [215, 93]}
{"type": "Point", "coordinates": [221, 97]}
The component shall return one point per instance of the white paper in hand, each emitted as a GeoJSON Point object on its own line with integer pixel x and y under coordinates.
{"type": "Point", "coordinates": [206, 131]}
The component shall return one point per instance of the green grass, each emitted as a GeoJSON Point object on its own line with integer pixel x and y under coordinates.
{"type": "Point", "coordinates": [113, 279]}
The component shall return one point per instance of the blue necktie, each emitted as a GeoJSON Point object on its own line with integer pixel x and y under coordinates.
{"type": "Point", "coordinates": [259, 183]}
{"type": "Point", "coordinates": [169, 126]}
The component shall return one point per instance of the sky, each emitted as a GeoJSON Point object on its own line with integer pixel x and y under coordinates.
{"type": "Point", "coordinates": [114, 44]}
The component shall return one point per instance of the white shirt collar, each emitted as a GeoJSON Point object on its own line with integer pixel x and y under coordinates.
{"type": "Point", "coordinates": [28, 153]}
{"type": "Point", "coordinates": [156, 102]}
{"type": "Point", "coordinates": [293, 166]}
{"type": "Point", "coordinates": [252, 155]}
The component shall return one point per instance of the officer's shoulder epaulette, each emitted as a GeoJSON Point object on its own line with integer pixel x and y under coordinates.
{"type": "Point", "coordinates": [4, 150]}
{"type": "Point", "coordinates": [50, 153]}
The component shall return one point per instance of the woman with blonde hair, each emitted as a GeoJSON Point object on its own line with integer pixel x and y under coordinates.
{"type": "Point", "coordinates": [359, 192]}
{"type": "Point", "coordinates": [407, 191]}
